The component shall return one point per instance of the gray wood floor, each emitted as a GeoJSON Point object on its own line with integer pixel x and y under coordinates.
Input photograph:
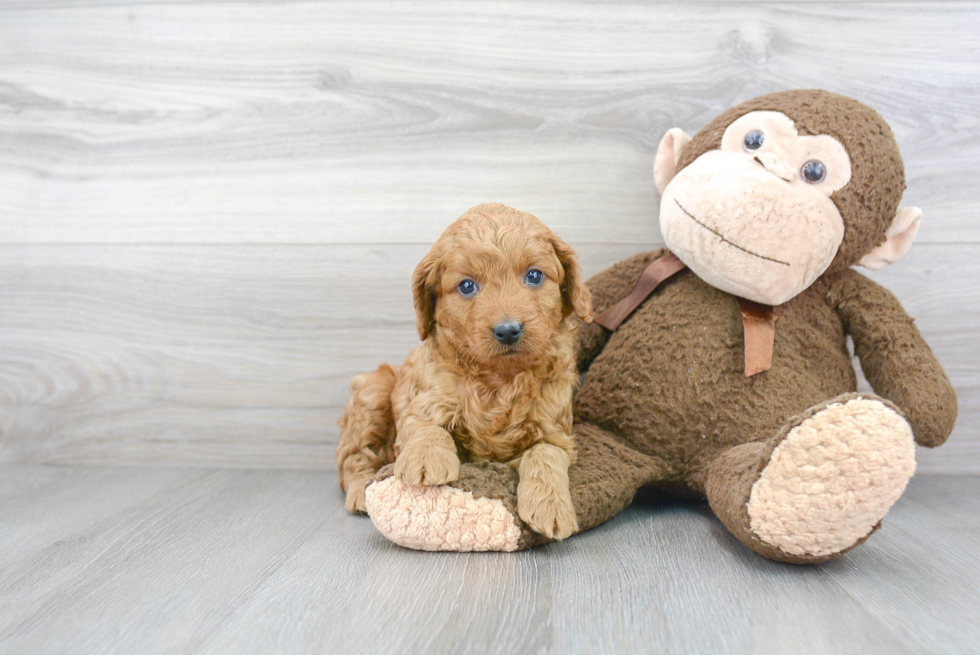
{"type": "Point", "coordinates": [164, 560]}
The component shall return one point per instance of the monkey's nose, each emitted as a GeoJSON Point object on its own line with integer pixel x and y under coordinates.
{"type": "Point", "coordinates": [508, 332]}
{"type": "Point", "coordinates": [775, 165]}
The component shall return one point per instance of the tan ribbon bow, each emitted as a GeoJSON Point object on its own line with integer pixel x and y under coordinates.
{"type": "Point", "coordinates": [758, 320]}
{"type": "Point", "coordinates": [656, 272]}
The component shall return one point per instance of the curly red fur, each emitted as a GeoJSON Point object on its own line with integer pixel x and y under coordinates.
{"type": "Point", "coordinates": [464, 394]}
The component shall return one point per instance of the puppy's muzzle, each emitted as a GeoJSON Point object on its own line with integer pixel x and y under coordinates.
{"type": "Point", "coordinates": [508, 332]}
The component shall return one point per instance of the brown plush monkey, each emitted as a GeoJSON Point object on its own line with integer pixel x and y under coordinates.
{"type": "Point", "coordinates": [732, 379]}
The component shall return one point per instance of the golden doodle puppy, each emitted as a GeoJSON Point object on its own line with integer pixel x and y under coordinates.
{"type": "Point", "coordinates": [494, 376]}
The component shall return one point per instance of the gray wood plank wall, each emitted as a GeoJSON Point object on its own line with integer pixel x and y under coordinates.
{"type": "Point", "coordinates": [209, 212]}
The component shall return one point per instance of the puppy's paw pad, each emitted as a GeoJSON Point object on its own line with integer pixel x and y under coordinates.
{"type": "Point", "coordinates": [440, 518]}
{"type": "Point", "coordinates": [546, 510]}
{"type": "Point", "coordinates": [427, 466]}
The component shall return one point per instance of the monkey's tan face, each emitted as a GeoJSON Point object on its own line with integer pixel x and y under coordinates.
{"type": "Point", "coordinates": [754, 218]}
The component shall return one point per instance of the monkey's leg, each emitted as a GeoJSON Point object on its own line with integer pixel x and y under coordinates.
{"type": "Point", "coordinates": [821, 486]}
{"type": "Point", "coordinates": [366, 433]}
{"type": "Point", "coordinates": [478, 512]}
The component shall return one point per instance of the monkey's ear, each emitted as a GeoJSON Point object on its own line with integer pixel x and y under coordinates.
{"type": "Point", "coordinates": [425, 281]}
{"type": "Point", "coordinates": [668, 154]}
{"type": "Point", "coordinates": [898, 238]}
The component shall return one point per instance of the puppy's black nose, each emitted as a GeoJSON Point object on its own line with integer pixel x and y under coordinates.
{"type": "Point", "coordinates": [508, 332]}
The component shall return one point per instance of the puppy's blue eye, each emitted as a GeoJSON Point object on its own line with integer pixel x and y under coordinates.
{"type": "Point", "coordinates": [533, 278]}
{"type": "Point", "coordinates": [754, 140]}
{"type": "Point", "coordinates": [467, 288]}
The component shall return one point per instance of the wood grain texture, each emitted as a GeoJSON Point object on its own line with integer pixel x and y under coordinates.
{"type": "Point", "coordinates": [936, 529]}
{"type": "Point", "coordinates": [242, 355]}
{"type": "Point", "coordinates": [207, 355]}
{"type": "Point", "coordinates": [269, 562]}
{"type": "Point", "coordinates": [209, 211]}
{"type": "Point", "coordinates": [331, 122]}
{"type": "Point", "coordinates": [42, 505]}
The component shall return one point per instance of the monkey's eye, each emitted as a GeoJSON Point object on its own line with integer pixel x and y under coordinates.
{"type": "Point", "coordinates": [813, 171]}
{"type": "Point", "coordinates": [754, 139]}
{"type": "Point", "coordinates": [533, 278]}
{"type": "Point", "coordinates": [467, 288]}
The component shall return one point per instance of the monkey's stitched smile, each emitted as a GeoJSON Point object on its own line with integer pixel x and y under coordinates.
{"type": "Point", "coordinates": [722, 237]}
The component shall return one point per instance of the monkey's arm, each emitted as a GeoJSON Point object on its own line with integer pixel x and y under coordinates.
{"type": "Point", "coordinates": [894, 357]}
{"type": "Point", "coordinates": [608, 288]}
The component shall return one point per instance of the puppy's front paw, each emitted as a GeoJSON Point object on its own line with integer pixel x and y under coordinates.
{"type": "Point", "coordinates": [547, 509]}
{"type": "Point", "coordinates": [427, 466]}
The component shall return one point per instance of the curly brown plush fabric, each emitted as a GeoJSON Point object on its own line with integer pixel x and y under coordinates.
{"type": "Point", "coordinates": [783, 457]}
{"type": "Point", "coordinates": [670, 381]}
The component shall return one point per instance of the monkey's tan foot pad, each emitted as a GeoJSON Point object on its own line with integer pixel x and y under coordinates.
{"type": "Point", "coordinates": [440, 518]}
{"type": "Point", "coordinates": [832, 479]}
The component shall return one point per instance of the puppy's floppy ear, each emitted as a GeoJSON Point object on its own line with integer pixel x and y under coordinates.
{"type": "Point", "coordinates": [575, 295]}
{"type": "Point", "coordinates": [425, 283]}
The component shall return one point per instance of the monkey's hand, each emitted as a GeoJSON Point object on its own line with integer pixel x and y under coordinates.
{"type": "Point", "coordinates": [894, 357]}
